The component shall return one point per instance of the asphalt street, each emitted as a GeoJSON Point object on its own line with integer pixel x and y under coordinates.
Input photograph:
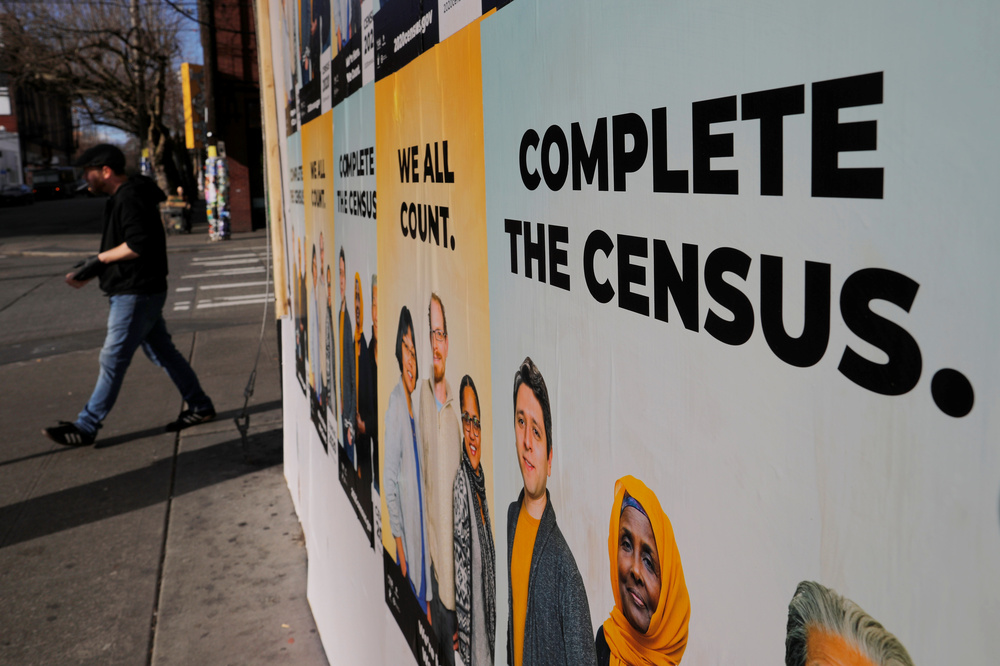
{"type": "Point", "coordinates": [212, 285]}
{"type": "Point", "coordinates": [148, 547]}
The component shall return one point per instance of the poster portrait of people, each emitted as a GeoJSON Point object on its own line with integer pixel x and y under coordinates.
{"type": "Point", "coordinates": [314, 57]}
{"type": "Point", "coordinates": [286, 59]}
{"type": "Point", "coordinates": [278, 62]}
{"type": "Point", "coordinates": [296, 248]}
{"type": "Point", "coordinates": [548, 616]}
{"type": "Point", "coordinates": [354, 312]}
{"type": "Point", "coordinates": [826, 629]}
{"type": "Point", "coordinates": [740, 278]}
{"type": "Point", "coordinates": [431, 228]}
{"type": "Point", "coordinates": [649, 621]}
{"type": "Point", "coordinates": [347, 21]}
{"type": "Point", "coordinates": [317, 140]}
{"type": "Point", "coordinates": [687, 312]}
{"type": "Point", "coordinates": [311, 440]}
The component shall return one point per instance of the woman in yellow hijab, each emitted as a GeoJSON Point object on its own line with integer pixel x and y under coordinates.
{"type": "Point", "coordinates": [649, 623]}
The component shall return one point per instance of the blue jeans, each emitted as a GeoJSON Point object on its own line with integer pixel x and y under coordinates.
{"type": "Point", "coordinates": [136, 320]}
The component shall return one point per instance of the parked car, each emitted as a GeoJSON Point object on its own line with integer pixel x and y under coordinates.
{"type": "Point", "coordinates": [16, 195]}
{"type": "Point", "coordinates": [54, 183]}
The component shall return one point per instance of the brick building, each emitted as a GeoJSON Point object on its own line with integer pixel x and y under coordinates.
{"type": "Point", "coordinates": [232, 47]}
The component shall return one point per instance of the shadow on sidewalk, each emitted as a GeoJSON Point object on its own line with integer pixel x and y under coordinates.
{"type": "Point", "coordinates": [138, 489]}
{"type": "Point", "coordinates": [141, 434]}
{"type": "Point", "coordinates": [40, 454]}
{"type": "Point", "coordinates": [159, 430]}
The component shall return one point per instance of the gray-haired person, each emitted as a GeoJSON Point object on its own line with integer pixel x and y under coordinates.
{"type": "Point", "coordinates": [827, 629]}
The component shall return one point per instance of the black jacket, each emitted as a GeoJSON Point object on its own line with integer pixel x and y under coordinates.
{"type": "Point", "coordinates": [132, 216]}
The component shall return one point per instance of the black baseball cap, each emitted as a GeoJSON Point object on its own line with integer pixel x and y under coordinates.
{"type": "Point", "coordinates": [101, 155]}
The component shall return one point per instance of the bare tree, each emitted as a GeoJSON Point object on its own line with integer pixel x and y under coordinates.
{"type": "Point", "coordinates": [114, 57]}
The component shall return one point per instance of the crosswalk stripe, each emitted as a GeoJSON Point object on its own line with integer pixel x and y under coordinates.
{"type": "Point", "coordinates": [229, 262]}
{"type": "Point", "coordinates": [214, 257]}
{"type": "Point", "coordinates": [234, 285]}
{"type": "Point", "coordinates": [241, 297]}
{"type": "Point", "coordinates": [258, 301]}
{"type": "Point", "coordinates": [224, 272]}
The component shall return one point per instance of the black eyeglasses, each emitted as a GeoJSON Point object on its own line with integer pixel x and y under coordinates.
{"type": "Point", "coordinates": [470, 420]}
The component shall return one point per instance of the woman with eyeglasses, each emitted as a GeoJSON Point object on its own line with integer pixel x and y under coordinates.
{"type": "Point", "coordinates": [475, 586]}
{"type": "Point", "coordinates": [404, 492]}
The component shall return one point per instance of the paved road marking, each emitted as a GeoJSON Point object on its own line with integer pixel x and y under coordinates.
{"type": "Point", "coordinates": [198, 260]}
{"type": "Point", "coordinates": [245, 249]}
{"type": "Point", "coordinates": [234, 285]}
{"type": "Point", "coordinates": [259, 300]}
{"type": "Point", "coordinates": [224, 272]}
{"type": "Point", "coordinates": [230, 285]}
{"type": "Point", "coordinates": [229, 262]}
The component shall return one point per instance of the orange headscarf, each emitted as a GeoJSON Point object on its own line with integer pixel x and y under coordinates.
{"type": "Point", "coordinates": [664, 642]}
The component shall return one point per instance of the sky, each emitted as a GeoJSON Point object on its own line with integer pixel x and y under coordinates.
{"type": "Point", "coordinates": [191, 43]}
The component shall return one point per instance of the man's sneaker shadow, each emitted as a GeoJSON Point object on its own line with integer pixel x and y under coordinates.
{"type": "Point", "coordinates": [220, 417]}
{"type": "Point", "coordinates": [127, 437]}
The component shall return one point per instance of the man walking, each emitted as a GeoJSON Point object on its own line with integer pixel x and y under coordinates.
{"type": "Point", "coordinates": [132, 266]}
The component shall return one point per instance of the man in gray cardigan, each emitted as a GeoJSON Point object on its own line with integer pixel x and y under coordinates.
{"type": "Point", "coordinates": [557, 627]}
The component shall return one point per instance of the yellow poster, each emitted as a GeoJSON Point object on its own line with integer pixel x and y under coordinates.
{"type": "Point", "coordinates": [434, 388]}
{"type": "Point", "coordinates": [317, 178]}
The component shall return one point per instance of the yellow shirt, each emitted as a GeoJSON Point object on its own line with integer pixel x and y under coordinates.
{"type": "Point", "coordinates": [357, 368]}
{"type": "Point", "coordinates": [341, 338]}
{"type": "Point", "coordinates": [520, 568]}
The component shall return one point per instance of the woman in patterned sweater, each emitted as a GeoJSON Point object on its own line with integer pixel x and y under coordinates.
{"type": "Point", "coordinates": [475, 586]}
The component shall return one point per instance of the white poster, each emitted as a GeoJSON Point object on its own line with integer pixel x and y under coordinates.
{"type": "Point", "coordinates": [352, 307]}
{"type": "Point", "coordinates": [456, 14]}
{"type": "Point", "coordinates": [751, 251]}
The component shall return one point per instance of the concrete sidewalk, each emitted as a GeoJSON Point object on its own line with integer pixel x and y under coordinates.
{"type": "Point", "coordinates": [150, 547]}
